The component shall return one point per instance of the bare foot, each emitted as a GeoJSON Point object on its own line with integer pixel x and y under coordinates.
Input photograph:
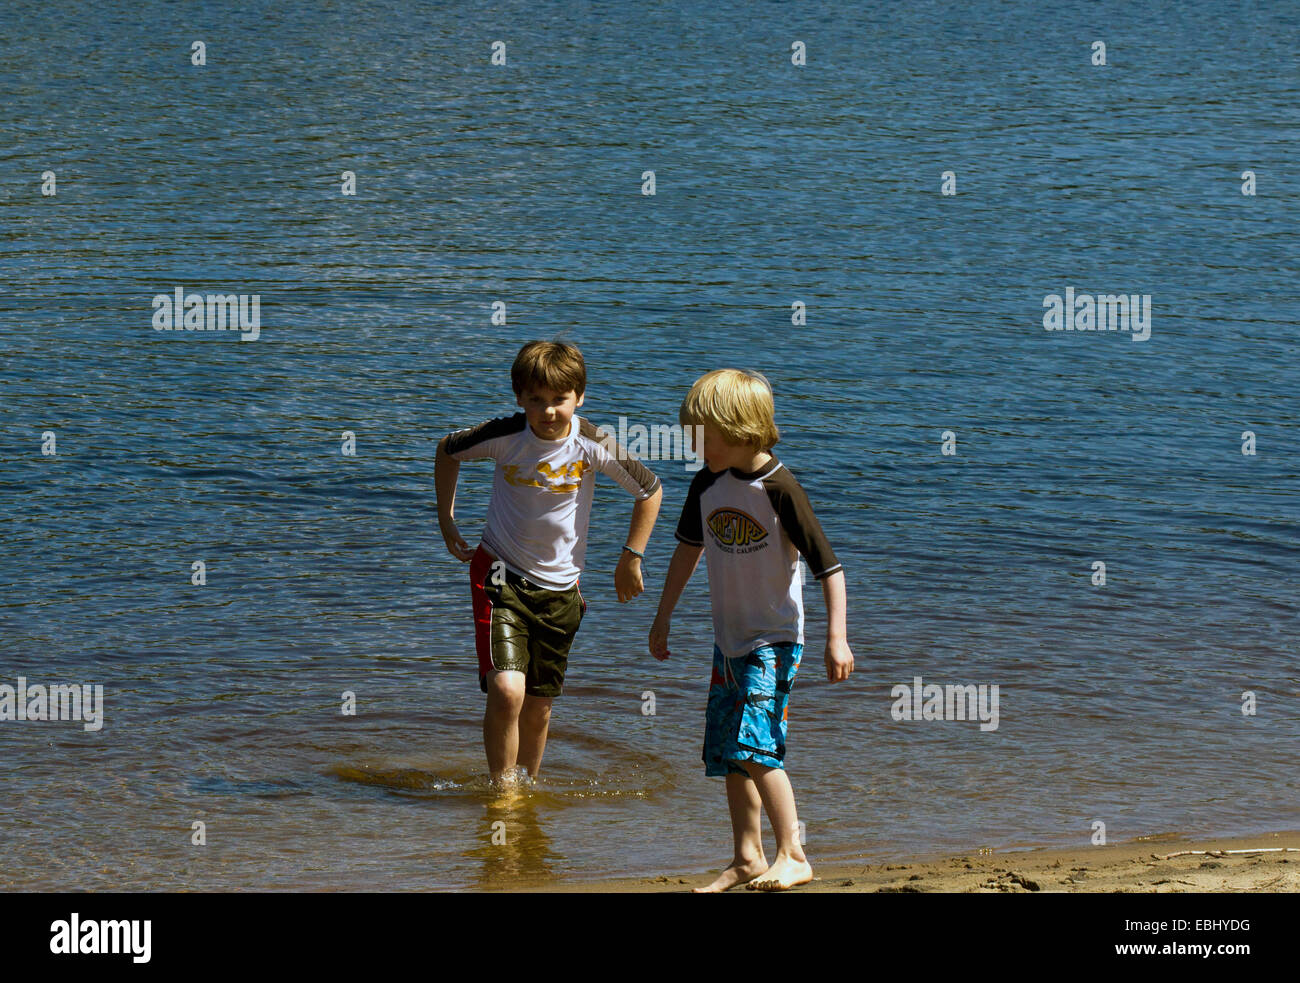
{"type": "Point", "coordinates": [782, 875]}
{"type": "Point", "coordinates": [511, 787]}
{"type": "Point", "coordinates": [512, 777]}
{"type": "Point", "coordinates": [733, 875]}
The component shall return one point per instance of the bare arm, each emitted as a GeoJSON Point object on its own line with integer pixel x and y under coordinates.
{"type": "Point", "coordinates": [627, 575]}
{"type": "Point", "coordinates": [446, 471]}
{"type": "Point", "coordinates": [685, 559]}
{"type": "Point", "coordinates": [839, 660]}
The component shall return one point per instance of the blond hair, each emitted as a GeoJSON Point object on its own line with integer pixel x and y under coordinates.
{"type": "Point", "coordinates": [738, 403]}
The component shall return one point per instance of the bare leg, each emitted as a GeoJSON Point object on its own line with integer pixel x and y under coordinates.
{"type": "Point", "coordinates": [505, 699]}
{"type": "Point", "coordinates": [747, 861]}
{"type": "Point", "coordinates": [791, 867]}
{"type": "Point", "coordinates": [534, 723]}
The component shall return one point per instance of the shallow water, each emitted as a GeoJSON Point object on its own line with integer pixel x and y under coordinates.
{"type": "Point", "coordinates": [326, 574]}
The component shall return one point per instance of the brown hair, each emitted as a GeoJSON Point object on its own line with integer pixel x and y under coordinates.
{"type": "Point", "coordinates": [549, 365]}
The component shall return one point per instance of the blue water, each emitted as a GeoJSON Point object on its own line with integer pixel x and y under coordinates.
{"type": "Point", "coordinates": [521, 183]}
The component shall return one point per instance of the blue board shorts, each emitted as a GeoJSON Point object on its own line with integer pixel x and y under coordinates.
{"type": "Point", "coordinates": [748, 698]}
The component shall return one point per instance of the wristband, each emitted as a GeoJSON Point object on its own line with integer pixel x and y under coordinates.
{"type": "Point", "coordinates": [635, 553]}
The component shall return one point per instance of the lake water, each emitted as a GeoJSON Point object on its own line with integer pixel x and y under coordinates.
{"type": "Point", "coordinates": [521, 183]}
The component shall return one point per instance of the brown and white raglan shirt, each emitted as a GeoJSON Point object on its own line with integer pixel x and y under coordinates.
{"type": "Point", "coordinates": [541, 492]}
{"type": "Point", "coordinates": [753, 527]}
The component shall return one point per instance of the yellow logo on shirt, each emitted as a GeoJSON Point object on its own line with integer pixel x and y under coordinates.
{"type": "Point", "coordinates": [562, 480]}
{"type": "Point", "coordinates": [733, 527]}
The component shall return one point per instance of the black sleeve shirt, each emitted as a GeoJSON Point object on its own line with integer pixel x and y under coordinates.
{"type": "Point", "coordinates": [754, 527]}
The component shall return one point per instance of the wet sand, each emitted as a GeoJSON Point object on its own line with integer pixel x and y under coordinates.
{"type": "Point", "coordinates": [1144, 865]}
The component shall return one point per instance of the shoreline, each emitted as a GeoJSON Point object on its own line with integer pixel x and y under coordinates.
{"type": "Point", "coordinates": [1143, 865]}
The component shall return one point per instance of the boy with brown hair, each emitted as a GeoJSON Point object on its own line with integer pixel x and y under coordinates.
{"type": "Point", "coordinates": [524, 574]}
{"type": "Point", "coordinates": [746, 512]}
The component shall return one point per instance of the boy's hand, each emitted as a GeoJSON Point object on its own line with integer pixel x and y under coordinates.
{"type": "Point", "coordinates": [839, 660]}
{"type": "Point", "coordinates": [460, 549]}
{"type": "Point", "coordinates": [627, 577]}
{"type": "Point", "coordinates": [659, 638]}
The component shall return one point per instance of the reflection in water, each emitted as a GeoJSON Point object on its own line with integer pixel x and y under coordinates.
{"type": "Point", "coordinates": [510, 845]}
{"type": "Point", "coordinates": [514, 847]}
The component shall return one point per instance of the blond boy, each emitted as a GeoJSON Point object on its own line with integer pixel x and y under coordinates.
{"type": "Point", "coordinates": [746, 512]}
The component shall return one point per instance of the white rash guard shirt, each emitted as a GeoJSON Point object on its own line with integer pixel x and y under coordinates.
{"type": "Point", "coordinates": [541, 492]}
{"type": "Point", "coordinates": [753, 527]}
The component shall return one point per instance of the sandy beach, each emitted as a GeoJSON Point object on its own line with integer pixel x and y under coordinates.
{"type": "Point", "coordinates": [1159, 864]}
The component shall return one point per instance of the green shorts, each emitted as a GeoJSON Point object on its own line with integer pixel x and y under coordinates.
{"type": "Point", "coordinates": [522, 626]}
